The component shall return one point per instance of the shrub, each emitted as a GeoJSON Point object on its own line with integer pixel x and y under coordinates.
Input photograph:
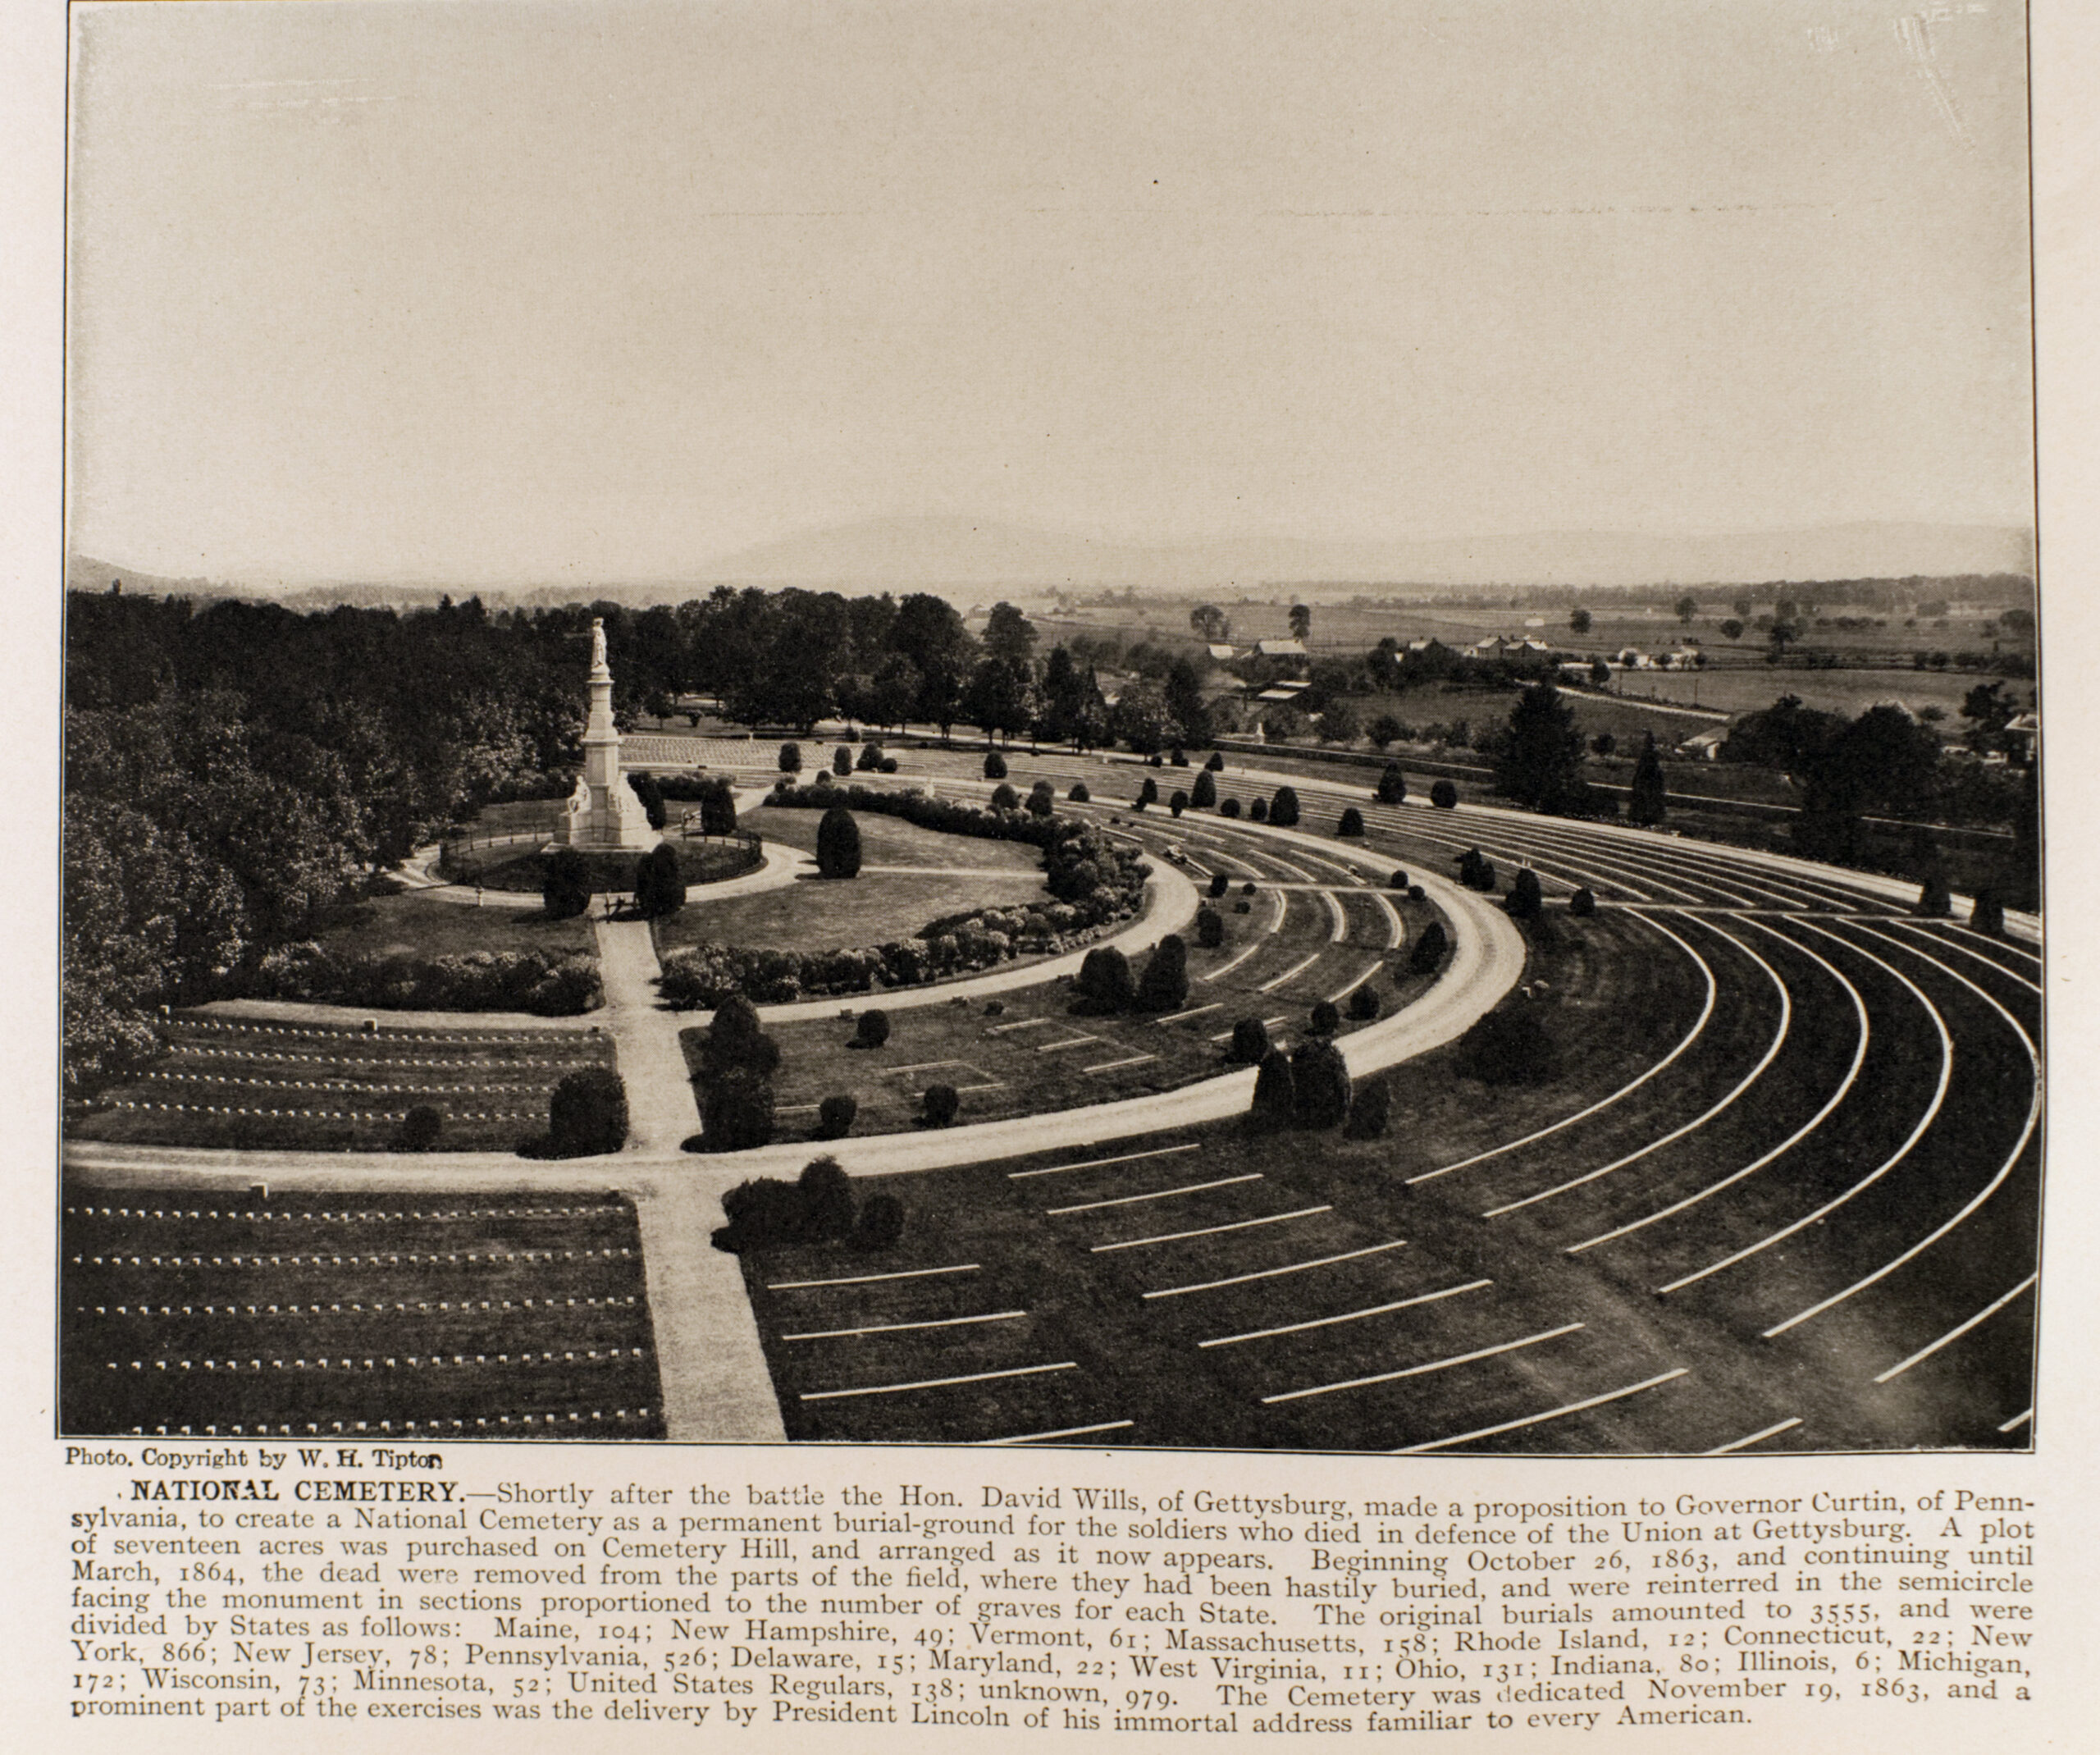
{"type": "Point", "coordinates": [1247, 889]}
{"type": "Point", "coordinates": [1004, 797]}
{"type": "Point", "coordinates": [1249, 1044]}
{"type": "Point", "coordinates": [1416, 892]}
{"type": "Point", "coordinates": [824, 777]}
{"type": "Point", "coordinates": [1079, 794]}
{"type": "Point", "coordinates": [1363, 1004]}
{"type": "Point", "coordinates": [1157, 760]}
{"type": "Point", "coordinates": [827, 1193]}
{"type": "Point", "coordinates": [651, 795]}
{"type": "Point", "coordinates": [1443, 795]}
{"type": "Point", "coordinates": [1215, 765]}
{"type": "Point", "coordinates": [1204, 794]}
{"type": "Point", "coordinates": [889, 765]}
{"type": "Point", "coordinates": [1283, 808]}
{"type": "Point", "coordinates": [1243, 906]}
{"type": "Point", "coordinates": [1398, 880]}
{"type": "Point", "coordinates": [835, 1116]}
{"type": "Point", "coordinates": [1220, 883]}
{"type": "Point", "coordinates": [1275, 1093]}
{"type": "Point", "coordinates": [1105, 986]}
{"type": "Point", "coordinates": [791, 758]}
{"type": "Point", "coordinates": [586, 1114]}
{"type": "Point", "coordinates": [659, 882]}
{"type": "Point", "coordinates": [1525, 901]}
{"type": "Point", "coordinates": [1582, 904]}
{"type": "Point", "coordinates": [1430, 945]}
{"type": "Point", "coordinates": [839, 844]}
{"type": "Point", "coordinates": [1987, 914]}
{"type": "Point", "coordinates": [871, 1028]}
{"type": "Point", "coordinates": [1179, 802]}
{"type": "Point", "coordinates": [1351, 823]}
{"type": "Point", "coordinates": [1210, 928]}
{"type": "Point", "coordinates": [1042, 799]}
{"type": "Point", "coordinates": [1934, 903]}
{"type": "Point", "coordinates": [1508, 1047]}
{"type": "Point", "coordinates": [1148, 794]}
{"type": "Point", "coordinates": [938, 1106]}
{"type": "Point", "coordinates": [995, 765]}
{"type": "Point", "coordinates": [1476, 871]}
{"type": "Point", "coordinates": [565, 888]}
{"type": "Point", "coordinates": [1165, 987]}
{"type": "Point", "coordinates": [1392, 784]}
{"type": "Point", "coordinates": [842, 760]}
{"type": "Point", "coordinates": [1368, 1114]}
{"type": "Point", "coordinates": [1179, 758]}
{"type": "Point", "coordinates": [736, 1109]}
{"type": "Point", "coordinates": [764, 1213]}
{"type": "Point", "coordinates": [1258, 810]}
{"type": "Point", "coordinates": [419, 1129]}
{"type": "Point", "coordinates": [1326, 1019]}
{"type": "Point", "coordinates": [870, 759]}
{"type": "Point", "coordinates": [880, 1223]}
{"type": "Point", "coordinates": [1320, 1085]}
{"type": "Point", "coordinates": [1230, 808]}
{"type": "Point", "coordinates": [736, 1043]}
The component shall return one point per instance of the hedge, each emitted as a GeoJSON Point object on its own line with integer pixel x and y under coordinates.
{"type": "Point", "coordinates": [1091, 882]}
{"type": "Point", "coordinates": [552, 984]}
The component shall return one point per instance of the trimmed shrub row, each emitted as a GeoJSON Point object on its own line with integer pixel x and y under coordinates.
{"type": "Point", "coordinates": [553, 984]}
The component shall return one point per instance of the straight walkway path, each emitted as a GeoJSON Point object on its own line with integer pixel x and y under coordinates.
{"type": "Point", "coordinates": [712, 1369]}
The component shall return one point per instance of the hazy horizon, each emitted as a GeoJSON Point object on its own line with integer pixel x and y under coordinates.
{"type": "Point", "coordinates": [567, 292]}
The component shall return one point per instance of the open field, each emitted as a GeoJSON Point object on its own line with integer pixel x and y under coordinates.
{"type": "Point", "coordinates": [333, 1312]}
{"type": "Point", "coordinates": [417, 924]}
{"type": "Point", "coordinates": [316, 1088]}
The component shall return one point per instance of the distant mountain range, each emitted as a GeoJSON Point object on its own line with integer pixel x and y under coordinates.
{"type": "Point", "coordinates": [977, 554]}
{"type": "Point", "coordinates": [962, 556]}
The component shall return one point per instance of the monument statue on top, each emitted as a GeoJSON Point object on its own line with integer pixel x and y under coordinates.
{"type": "Point", "coordinates": [603, 813]}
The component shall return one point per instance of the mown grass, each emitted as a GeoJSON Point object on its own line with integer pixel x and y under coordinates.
{"type": "Point", "coordinates": [417, 924]}
{"type": "Point", "coordinates": [250, 1085]}
{"type": "Point", "coordinates": [338, 1311]}
{"type": "Point", "coordinates": [1006, 1056]}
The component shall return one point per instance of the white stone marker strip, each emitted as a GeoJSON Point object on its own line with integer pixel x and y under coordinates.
{"type": "Point", "coordinates": [1435, 1364]}
{"type": "Point", "coordinates": [1062, 1431]}
{"type": "Point", "coordinates": [1110, 1066]}
{"type": "Point", "coordinates": [975, 1377]}
{"type": "Point", "coordinates": [892, 1328]}
{"type": "Point", "coordinates": [1730, 1448]}
{"type": "Point", "coordinates": [1538, 1420]}
{"type": "Point", "coordinates": [1026, 1023]}
{"type": "Point", "coordinates": [1162, 1193]}
{"type": "Point", "coordinates": [1097, 1163]}
{"type": "Point", "coordinates": [1052, 1047]}
{"type": "Point", "coordinates": [1351, 1316]}
{"type": "Point", "coordinates": [1294, 971]}
{"type": "Point", "coordinates": [1194, 1011]}
{"type": "Point", "coordinates": [1208, 1231]}
{"type": "Point", "coordinates": [1270, 1273]}
{"type": "Point", "coordinates": [869, 1279]}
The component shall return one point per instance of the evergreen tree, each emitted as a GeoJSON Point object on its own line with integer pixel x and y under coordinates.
{"type": "Point", "coordinates": [1392, 784]}
{"type": "Point", "coordinates": [1165, 987]}
{"type": "Point", "coordinates": [1539, 759]}
{"type": "Point", "coordinates": [839, 844]}
{"type": "Point", "coordinates": [1650, 799]}
{"type": "Point", "coordinates": [1320, 1085]}
{"type": "Point", "coordinates": [1275, 1097]}
{"type": "Point", "coordinates": [1283, 809]}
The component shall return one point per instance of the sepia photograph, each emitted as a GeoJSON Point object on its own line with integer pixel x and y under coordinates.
{"type": "Point", "coordinates": [1254, 727]}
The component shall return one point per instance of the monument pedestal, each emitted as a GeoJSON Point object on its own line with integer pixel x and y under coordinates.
{"type": "Point", "coordinates": [603, 815]}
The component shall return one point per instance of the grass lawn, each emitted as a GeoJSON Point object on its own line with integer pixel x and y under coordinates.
{"type": "Point", "coordinates": [1030, 1053]}
{"type": "Point", "coordinates": [417, 924]}
{"type": "Point", "coordinates": [342, 1311]}
{"type": "Point", "coordinates": [946, 875]}
{"type": "Point", "coordinates": [311, 1088]}
{"type": "Point", "coordinates": [521, 869]}
{"type": "Point", "coordinates": [1218, 1287]}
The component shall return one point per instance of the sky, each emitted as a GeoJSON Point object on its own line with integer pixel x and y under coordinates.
{"type": "Point", "coordinates": [496, 291]}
